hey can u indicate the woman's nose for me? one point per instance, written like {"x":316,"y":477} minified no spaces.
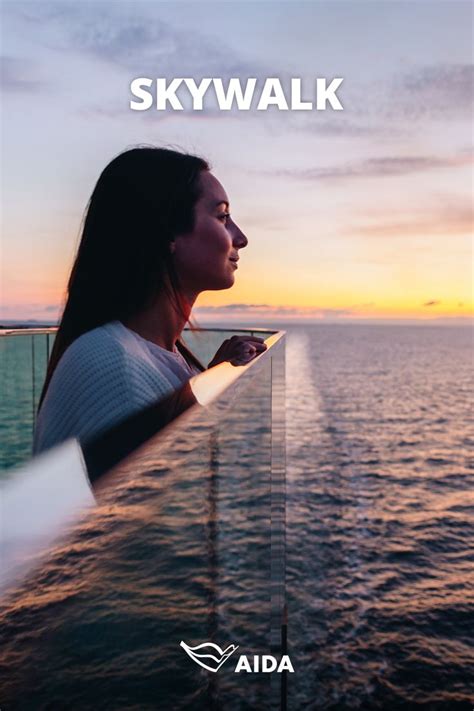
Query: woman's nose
{"x":239,"y":240}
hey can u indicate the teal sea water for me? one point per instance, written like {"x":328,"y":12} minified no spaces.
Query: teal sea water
{"x":380,"y":524}
{"x":23,"y":361}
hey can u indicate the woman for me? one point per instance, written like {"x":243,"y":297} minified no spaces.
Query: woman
{"x":157,"y":232}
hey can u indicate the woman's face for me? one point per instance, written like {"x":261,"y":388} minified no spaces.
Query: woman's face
{"x":206,"y":258}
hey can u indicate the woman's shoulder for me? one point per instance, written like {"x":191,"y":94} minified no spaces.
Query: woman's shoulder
{"x":103,"y":359}
{"x":102,"y":345}
{"x":109,"y":333}
{"x":110,"y":359}
{"x":102,"y":378}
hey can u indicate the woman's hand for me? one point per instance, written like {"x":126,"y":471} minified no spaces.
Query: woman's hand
{"x":239,"y":350}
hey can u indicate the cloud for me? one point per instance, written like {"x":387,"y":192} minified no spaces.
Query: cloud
{"x":444,"y":217}
{"x":240,"y":307}
{"x":263,"y":315}
{"x":134,"y":38}
{"x":438,"y":91}
{"x":31,"y":312}
{"x":378,"y":167}
{"x":137,"y":39}
{"x":136,"y":42}
{"x":432,"y":92}
{"x":398,"y":103}
{"x":272,"y":311}
{"x":17,"y":75}
{"x":227,"y":308}
{"x":339,"y":125}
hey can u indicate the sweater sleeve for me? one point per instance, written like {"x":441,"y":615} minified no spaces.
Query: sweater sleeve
{"x":97,"y":383}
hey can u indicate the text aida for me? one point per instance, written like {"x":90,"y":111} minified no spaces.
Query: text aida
{"x":241,"y":95}
{"x":264,"y":663}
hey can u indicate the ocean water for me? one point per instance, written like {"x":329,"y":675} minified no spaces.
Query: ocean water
{"x":380,"y":561}
{"x":380,"y":484}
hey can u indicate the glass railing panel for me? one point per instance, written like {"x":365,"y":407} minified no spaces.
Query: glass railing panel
{"x":23,"y":361}
{"x":186,"y":544}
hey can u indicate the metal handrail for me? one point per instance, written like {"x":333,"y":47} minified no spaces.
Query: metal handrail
{"x":46,"y":330}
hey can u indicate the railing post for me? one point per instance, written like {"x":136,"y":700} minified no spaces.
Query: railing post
{"x":33,"y":382}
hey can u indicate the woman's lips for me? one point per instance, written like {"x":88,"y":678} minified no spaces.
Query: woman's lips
{"x":234,"y":262}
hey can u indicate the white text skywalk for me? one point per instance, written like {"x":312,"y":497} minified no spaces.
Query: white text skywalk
{"x":241,"y":95}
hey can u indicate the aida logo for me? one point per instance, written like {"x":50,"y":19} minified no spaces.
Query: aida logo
{"x":211,"y":657}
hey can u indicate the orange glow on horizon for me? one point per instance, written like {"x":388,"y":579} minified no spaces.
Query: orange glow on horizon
{"x":302,"y":292}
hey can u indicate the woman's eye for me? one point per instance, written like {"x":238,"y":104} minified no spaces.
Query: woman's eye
{"x":224,"y":216}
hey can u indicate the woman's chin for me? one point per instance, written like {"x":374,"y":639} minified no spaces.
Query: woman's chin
{"x":225,"y":283}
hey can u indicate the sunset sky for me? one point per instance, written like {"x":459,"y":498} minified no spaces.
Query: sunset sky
{"x":359,"y":214}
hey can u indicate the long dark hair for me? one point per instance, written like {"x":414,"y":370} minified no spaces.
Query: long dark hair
{"x":142,"y":200}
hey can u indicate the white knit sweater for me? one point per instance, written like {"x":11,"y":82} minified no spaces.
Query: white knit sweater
{"x":105,"y":376}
